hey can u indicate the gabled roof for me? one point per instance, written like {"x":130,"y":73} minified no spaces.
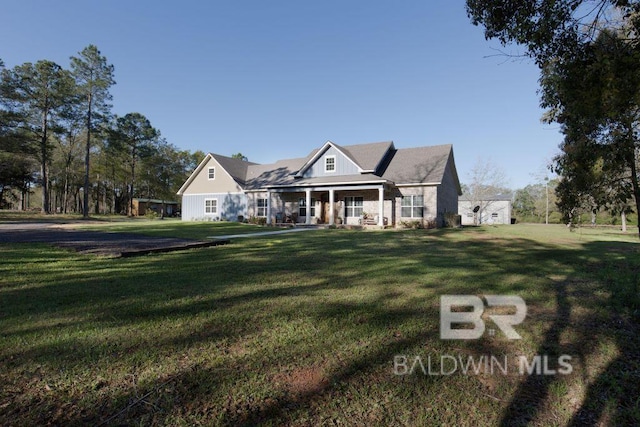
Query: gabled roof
{"x":236,"y":168}
{"x":420,"y":165}
{"x":280,"y":173}
{"x":366,"y":157}
{"x":315,"y":155}
{"x":370,"y":156}
{"x":376,"y":162}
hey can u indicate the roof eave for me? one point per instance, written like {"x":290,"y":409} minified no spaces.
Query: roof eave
{"x":321,"y":184}
{"x":418,"y":184}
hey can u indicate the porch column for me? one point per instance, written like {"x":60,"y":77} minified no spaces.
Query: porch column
{"x":268,"y":207}
{"x":331,"y":210}
{"x":308,"y":204}
{"x":381,"y":206}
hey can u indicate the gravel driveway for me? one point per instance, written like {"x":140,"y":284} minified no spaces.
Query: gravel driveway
{"x":90,"y":242}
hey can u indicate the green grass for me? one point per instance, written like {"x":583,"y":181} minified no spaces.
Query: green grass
{"x":35,"y":216}
{"x":173,"y":227}
{"x":168,"y":227}
{"x":302,"y":329}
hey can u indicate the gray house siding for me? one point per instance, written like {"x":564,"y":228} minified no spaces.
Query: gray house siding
{"x":229,"y":206}
{"x":344,"y":166}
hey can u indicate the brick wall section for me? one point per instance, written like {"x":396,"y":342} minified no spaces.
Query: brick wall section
{"x":447,"y":194}
{"x":430,"y":212}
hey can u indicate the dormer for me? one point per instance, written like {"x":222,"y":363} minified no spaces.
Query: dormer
{"x":330,"y":160}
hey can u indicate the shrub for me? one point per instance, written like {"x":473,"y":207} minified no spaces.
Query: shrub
{"x":151,"y":214}
{"x":415,"y":224}
{"x":451,"y":219}
{"x":258,"y":220}
{"x":430,"y":223}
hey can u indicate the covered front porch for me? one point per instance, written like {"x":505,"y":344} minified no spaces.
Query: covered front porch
{"x":364,"y":204}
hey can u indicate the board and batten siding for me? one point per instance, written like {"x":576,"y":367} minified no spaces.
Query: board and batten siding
{"x":344,"y":166}
{"x":230,"y":205}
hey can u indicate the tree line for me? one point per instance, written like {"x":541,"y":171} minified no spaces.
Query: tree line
{"x":59,"y":134}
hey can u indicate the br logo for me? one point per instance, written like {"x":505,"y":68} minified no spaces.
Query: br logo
{"x":474,"y":317}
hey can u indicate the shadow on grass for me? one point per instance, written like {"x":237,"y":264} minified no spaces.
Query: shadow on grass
{"x":612,"y":396}
{"x":246,"y":332}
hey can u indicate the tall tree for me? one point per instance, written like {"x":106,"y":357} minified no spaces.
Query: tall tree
{"x":94,"y":77}
{"x":16,"y":169}
{"x":15,"y":158}
{"x":134,"y":135}
{"x":596,"y":99}
{"x":38,"y":96}
{"x":589,"y":54}
{"x":533,"y":202}
{"x":67,"y":161}
{"x":164,"y":171}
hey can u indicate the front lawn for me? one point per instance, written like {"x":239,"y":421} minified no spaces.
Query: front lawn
{"x":304,"y":329}
{"x":173,"y":227}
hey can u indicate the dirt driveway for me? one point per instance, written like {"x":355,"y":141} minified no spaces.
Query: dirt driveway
{"x":91,"y":242}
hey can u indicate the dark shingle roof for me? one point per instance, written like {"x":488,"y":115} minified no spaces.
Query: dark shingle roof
{"x":368,"y":156}
{"x":237,"y":168}
{"x":280,"y":173}
{"x":347,"y":153}
{"x":418,"y":165}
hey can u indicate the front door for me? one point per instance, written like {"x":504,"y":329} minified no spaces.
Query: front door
{"x":324,"y":208}
{"x":325,"y":212}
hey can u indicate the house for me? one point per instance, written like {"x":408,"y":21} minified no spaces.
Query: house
{"x":142,"y":206}
{"x":494,"y":209}
{"x":366,"y":183}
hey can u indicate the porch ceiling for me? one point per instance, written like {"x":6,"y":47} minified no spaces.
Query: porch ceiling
{"x":333,"y":181}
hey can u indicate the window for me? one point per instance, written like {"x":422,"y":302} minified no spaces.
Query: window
{"x":330,"y":164}
{"x":212,"y":173}
{"x":211,"y":206}
{"x":261,"y":210}
{"x":412,"y":207}
{"x":353,"y":206}
{"x":302,"y":207}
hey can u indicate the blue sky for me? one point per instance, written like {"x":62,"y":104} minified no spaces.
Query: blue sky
{"x":277,"y":79}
